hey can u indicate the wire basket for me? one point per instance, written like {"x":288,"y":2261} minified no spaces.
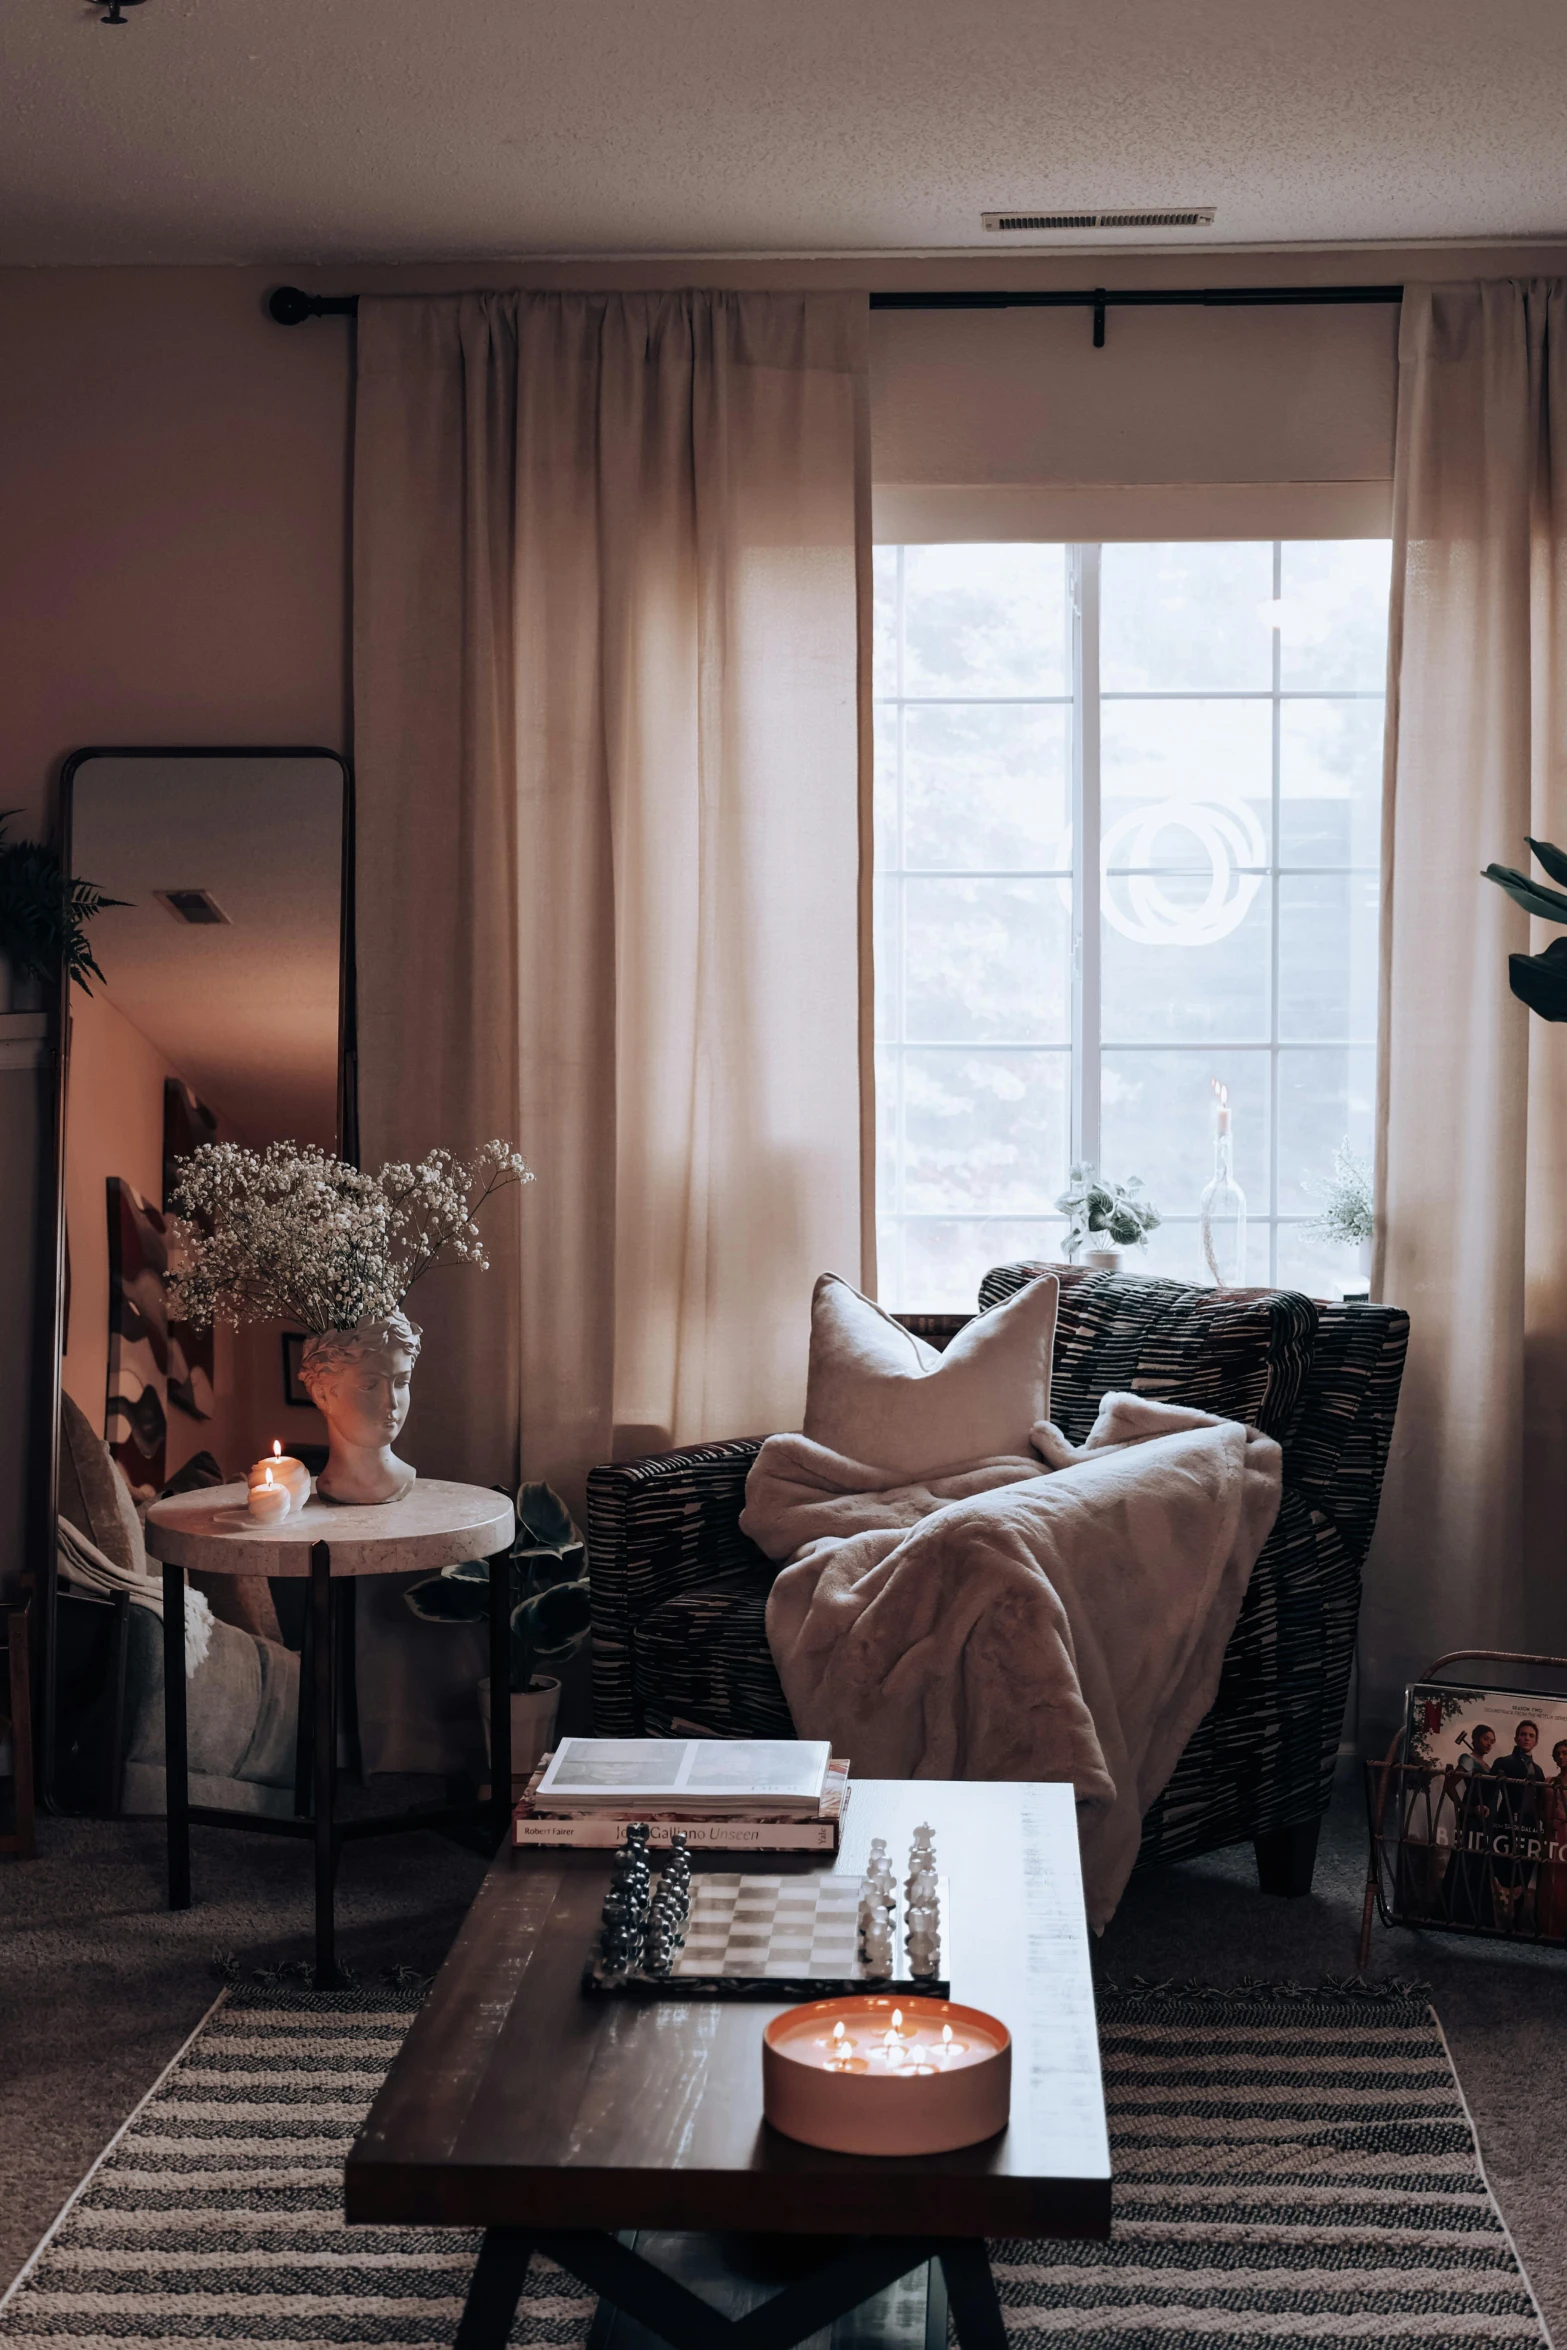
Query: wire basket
{"x":1445,"y":1862}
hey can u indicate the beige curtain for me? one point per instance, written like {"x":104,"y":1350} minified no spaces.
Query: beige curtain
{"x":1472,"y":1147}
{"x":608,"y":581}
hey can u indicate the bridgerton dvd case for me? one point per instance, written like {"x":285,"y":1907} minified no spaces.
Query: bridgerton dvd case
{"x":1481,"y":1796}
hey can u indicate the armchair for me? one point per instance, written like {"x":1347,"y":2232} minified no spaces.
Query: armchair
{"x":680,"y":1595}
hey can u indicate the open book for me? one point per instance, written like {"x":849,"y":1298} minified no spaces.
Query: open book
{"x":702,"y":1777}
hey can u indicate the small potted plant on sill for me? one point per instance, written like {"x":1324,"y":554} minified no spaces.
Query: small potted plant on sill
{"x":1121,"y":1212}
{"x":1347,"y":1216}
{"x":549,"y":1616}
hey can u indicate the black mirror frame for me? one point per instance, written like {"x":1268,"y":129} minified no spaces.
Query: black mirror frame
{"x":50,"y":1303}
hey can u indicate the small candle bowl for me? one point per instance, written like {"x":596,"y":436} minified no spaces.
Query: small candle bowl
{"x":875,"y":2075}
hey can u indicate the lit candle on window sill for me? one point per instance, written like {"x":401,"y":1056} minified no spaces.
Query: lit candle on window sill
{"x":269,"y":1501}
{"x":282,"y":1469}
{"x":867,"y":2075}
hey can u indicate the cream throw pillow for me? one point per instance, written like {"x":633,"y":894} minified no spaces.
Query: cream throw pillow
{"x":878,"y":1394}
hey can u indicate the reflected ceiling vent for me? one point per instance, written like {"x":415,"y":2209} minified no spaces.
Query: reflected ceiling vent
{"x":191,"y":905}
{"x":1189,"y":216}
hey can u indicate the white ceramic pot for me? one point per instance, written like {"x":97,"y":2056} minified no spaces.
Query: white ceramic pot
{"x":533,"y":1713}
{"x":1103,"y":1260}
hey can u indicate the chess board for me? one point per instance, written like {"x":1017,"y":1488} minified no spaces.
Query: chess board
{"x":778,"y":1938}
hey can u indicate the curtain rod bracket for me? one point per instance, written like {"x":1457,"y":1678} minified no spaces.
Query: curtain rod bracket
{"x":1099,"y":318}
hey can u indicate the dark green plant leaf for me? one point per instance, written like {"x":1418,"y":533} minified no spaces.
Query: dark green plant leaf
{"x":545,"y":1568}
{"x":1548,"y":905}
{"x":1552,"y":858}
{"x":43,"y":914}
{"x":554,"y":1622}
{"x":443,"y":1599}
{"x":469,"y":1571}
{"x":544,"y":1518}
{"x":1540,"y":981}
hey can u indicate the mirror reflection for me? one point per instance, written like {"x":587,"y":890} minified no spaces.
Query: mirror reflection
{"x":219,"y":1020}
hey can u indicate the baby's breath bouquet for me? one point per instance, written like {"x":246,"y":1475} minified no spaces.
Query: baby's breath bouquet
{"x":1348,"y":1215}
{"x":291,"y":1234}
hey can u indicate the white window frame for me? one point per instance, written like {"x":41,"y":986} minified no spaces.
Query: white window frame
{"x":1084,"y":700}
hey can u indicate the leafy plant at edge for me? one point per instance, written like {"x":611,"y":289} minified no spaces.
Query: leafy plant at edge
{"x":43,"y":914}
{"x":1540,"y":981}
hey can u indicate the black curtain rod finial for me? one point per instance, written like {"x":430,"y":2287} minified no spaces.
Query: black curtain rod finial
{"x":291,"y":306}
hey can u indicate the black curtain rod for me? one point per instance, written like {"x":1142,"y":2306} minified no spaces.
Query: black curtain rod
{"x":291,"y":307}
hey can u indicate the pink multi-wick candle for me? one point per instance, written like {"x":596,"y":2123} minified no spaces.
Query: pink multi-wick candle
{"x":877,"y":2075}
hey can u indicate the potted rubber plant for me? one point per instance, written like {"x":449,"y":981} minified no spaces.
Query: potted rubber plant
{"x":549,"y":1618}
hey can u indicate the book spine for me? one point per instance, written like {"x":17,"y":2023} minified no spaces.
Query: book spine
{"x":603,"y":1835}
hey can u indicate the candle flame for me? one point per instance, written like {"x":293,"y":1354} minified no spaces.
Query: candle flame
{"x":897,"y":2019}
{"x":267,"y":1480}
{"x":277,"y":1448}
{"x":946,"y":2031}
{"x":837,"y":2030}
{"x":1222,"y":1092}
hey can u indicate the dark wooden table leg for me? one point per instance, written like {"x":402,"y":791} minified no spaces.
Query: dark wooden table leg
{"x":500,"y":1693}
{"x":493,"y":2294}
{"x":971,"y":2294}
{"x":320,"y":1698}
{"x":176,"y":1758}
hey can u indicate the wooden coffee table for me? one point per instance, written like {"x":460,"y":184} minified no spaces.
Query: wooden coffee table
{"x":557,"y":2122}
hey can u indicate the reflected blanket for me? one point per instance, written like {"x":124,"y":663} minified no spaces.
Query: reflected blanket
{"x":1058,"y":1617}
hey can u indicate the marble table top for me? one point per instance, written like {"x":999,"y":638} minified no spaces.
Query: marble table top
{"x":433,"y":1526}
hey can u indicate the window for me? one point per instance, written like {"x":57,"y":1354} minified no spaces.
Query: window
{"x":1127,"y":818}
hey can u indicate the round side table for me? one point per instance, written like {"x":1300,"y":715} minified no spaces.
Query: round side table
{"x":434,"y":1526}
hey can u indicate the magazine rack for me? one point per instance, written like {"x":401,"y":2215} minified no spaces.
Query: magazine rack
{"x":1411,"y":1815}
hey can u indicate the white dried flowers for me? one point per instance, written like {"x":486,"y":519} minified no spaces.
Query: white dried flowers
{"x":291,"y":1234}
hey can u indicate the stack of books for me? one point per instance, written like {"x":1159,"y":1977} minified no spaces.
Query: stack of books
{"x":724,"y":1794}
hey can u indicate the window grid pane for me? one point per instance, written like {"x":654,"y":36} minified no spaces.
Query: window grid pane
{"x":1230,"y":760}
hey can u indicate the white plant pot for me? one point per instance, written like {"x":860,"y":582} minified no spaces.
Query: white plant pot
{"x":533,"y":1713}
{"x":1103,"y":1260}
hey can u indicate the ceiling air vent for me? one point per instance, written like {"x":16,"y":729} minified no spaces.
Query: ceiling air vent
{"x":191,"y":905}
{"x":1190,"y":216}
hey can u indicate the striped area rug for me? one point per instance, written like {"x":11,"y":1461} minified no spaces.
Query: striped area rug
{"x":1288,"y":2170}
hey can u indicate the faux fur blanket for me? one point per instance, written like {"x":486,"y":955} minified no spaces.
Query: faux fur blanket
{"x":1063,"y":1617}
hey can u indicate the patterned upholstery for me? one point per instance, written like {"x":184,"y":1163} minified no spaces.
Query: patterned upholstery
{"x":680,"y":1595}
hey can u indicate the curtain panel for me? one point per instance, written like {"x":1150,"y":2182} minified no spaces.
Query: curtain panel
{"x":608,"y":604}
{"x":1472,"y":1142}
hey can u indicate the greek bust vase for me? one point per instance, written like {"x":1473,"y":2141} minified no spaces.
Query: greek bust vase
{"x":359,"y":1381}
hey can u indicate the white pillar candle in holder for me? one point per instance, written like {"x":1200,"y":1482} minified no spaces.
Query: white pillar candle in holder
{"x":285,"y":1471}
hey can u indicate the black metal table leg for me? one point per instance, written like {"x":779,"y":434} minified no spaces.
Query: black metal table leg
{"x":320,"y":1697}
{"x":305,"y":1718}
{"x":176,"y":1756}
{"x":500,"y":1693}
{"x":495,"y":2289}
{"x":971,"y":2294}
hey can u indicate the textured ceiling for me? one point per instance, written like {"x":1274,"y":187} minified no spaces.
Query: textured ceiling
{"x":256,"y":130}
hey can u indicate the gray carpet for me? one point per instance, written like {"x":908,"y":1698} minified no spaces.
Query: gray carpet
{"x":99,"y":1985}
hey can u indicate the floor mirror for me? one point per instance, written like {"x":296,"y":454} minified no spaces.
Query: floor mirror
{"x":224,"y":1013}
